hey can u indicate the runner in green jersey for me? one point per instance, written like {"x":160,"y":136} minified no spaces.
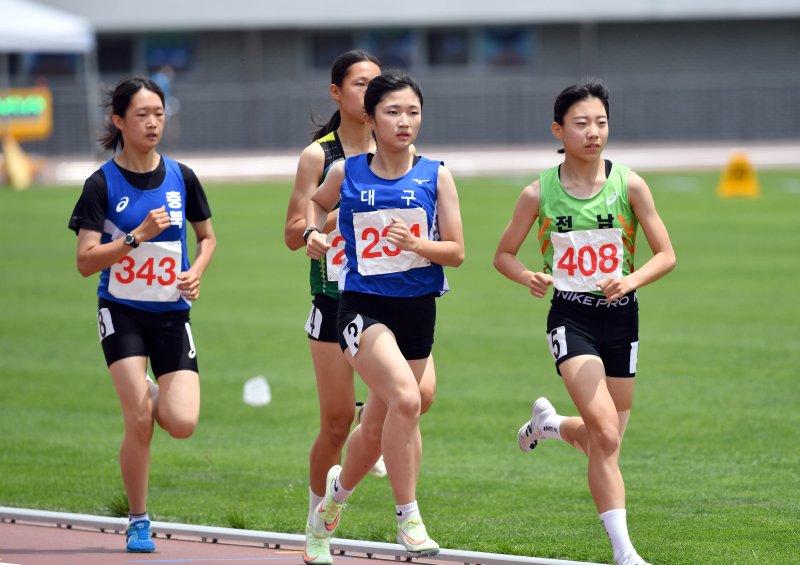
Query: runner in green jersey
{"x":588,"y":211}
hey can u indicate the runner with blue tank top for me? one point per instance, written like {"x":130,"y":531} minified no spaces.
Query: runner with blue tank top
{"x":400,"y":220}
{"x":588,"y":212}
{"x":131,"y":222}
{"x":346,"y":133}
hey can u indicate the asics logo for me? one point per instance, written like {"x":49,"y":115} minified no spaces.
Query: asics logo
{"x":611,"y":199}
{"x":123,"y":203}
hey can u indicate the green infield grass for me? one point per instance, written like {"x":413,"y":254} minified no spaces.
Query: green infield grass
{"x":710,"y":458}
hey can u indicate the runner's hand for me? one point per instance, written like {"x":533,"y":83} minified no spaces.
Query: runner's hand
{"x":317,"y":245}
{"x":614,"y":289}
{"x":155,"y":222}
{"x":538,"y":283}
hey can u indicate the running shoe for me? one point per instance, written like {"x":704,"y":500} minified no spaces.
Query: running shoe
{"x":318,"y":550}
{"x":379,"y":468}
{"x":153,"y":391}
{"x":632,"y":559}
{"x":412,"y":535}
{"x":326,"y":515}
{"x":531,"y":431}
{"x":139,"y":538}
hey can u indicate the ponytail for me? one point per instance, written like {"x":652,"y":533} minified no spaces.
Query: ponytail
{"x":332,"y":125}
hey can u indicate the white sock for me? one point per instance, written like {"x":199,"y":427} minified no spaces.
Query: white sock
{"x":340,"y":494}
{"x":133,"y":518}
{"x":313,"y":501}
{"x":404,"y":511}
{"x":552,"y":427}
{"x":616,"y":525}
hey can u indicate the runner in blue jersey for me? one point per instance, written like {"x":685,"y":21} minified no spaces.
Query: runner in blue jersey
{"x":345,"y":134}
{"x":131,"y":222}
{"x":588,"y":210}
{"x":400,"y":219}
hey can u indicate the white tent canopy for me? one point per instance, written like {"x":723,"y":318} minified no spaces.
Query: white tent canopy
{"x":26,"y":27}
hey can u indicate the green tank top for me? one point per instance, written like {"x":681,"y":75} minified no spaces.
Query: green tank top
{"x":609,"y":208}
{"x":319,"y":275}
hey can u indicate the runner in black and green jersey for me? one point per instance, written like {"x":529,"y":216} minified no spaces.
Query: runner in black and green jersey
{"x":346,"y":134}
{"x":588,"y":211}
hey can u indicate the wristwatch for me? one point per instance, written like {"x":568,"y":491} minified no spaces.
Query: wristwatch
{"x":308,"y":233}
{"x":130,"y":239}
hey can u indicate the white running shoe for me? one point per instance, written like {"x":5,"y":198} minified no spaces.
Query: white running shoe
{"x":632,"y":559}
{"x":153,"y":391}
{"x":379,"y":468}
{"x":531,"y":431}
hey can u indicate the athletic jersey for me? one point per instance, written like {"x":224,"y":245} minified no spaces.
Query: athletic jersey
{"x":321,"y":282}
{"x":368,"y":204}
{"x":587,"y":239}
{"x":146,"y":277}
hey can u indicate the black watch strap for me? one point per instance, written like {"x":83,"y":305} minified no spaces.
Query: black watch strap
{"x":308,"y":233}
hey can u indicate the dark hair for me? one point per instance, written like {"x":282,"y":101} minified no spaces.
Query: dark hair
{"x":118,"y":101}
{"x":592,"y":88}
{"x":339,"y":71}
{"x":386,"y":82}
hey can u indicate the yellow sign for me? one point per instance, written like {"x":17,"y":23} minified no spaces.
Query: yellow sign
{"x":739,"y":179}
{"x":26,"y":113}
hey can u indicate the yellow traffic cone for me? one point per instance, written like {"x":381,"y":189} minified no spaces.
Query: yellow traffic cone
{"x":739,"y":179}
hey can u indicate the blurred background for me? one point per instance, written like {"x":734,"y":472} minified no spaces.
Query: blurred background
{"x":246,"y":75}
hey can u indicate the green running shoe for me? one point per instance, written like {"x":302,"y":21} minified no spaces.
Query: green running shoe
{"x":326,"y":516}
{"x":318,"y":550}
{"x":412,"y":535}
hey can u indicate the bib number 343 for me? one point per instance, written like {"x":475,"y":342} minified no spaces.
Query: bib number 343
{"x":583,"y":258}
{"x":149,"y":272}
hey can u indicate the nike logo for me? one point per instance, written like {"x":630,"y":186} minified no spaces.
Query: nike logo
{"x":411,"y":540}
{"x":611,"y":199}
{"x":332,"y":526}
{"x":399,"y":513}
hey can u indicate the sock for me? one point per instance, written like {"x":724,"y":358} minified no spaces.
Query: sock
{"x":552,"y":427}
{"x":313,"y":501}
{"x":340,"y":494}
{"x":616,"y":524}
{"x":133,"y":518}
{"x":406,"y":510}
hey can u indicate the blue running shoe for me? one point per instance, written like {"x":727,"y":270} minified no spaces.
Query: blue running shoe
{"x":139,"y":539}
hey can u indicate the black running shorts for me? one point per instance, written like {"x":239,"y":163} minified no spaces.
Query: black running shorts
{"x":411,"y":320}
{"x":588,"y":324}
{"x":165,"y":338}
{"x":321,"y":323}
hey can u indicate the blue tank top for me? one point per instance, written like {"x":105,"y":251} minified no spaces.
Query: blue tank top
{"x":368,"y":203}
{"x":152,"y":268}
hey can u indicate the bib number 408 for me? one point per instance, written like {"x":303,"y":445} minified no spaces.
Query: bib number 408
{"x":589,"y":261}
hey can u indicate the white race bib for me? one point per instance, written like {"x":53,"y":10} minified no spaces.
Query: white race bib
{"x":149,"y":272}
{"x":376,"y":256}
{"x":583,"y":258}
{"x":334,"y":258}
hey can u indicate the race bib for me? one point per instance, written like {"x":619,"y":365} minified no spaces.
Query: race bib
{"x":149,"y":272}
{"x":334,"y":258}
{"x":583,"y":258}
{"x":376,"y":256}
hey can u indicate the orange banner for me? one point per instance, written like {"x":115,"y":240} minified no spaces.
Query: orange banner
{"x":26,"y":113}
